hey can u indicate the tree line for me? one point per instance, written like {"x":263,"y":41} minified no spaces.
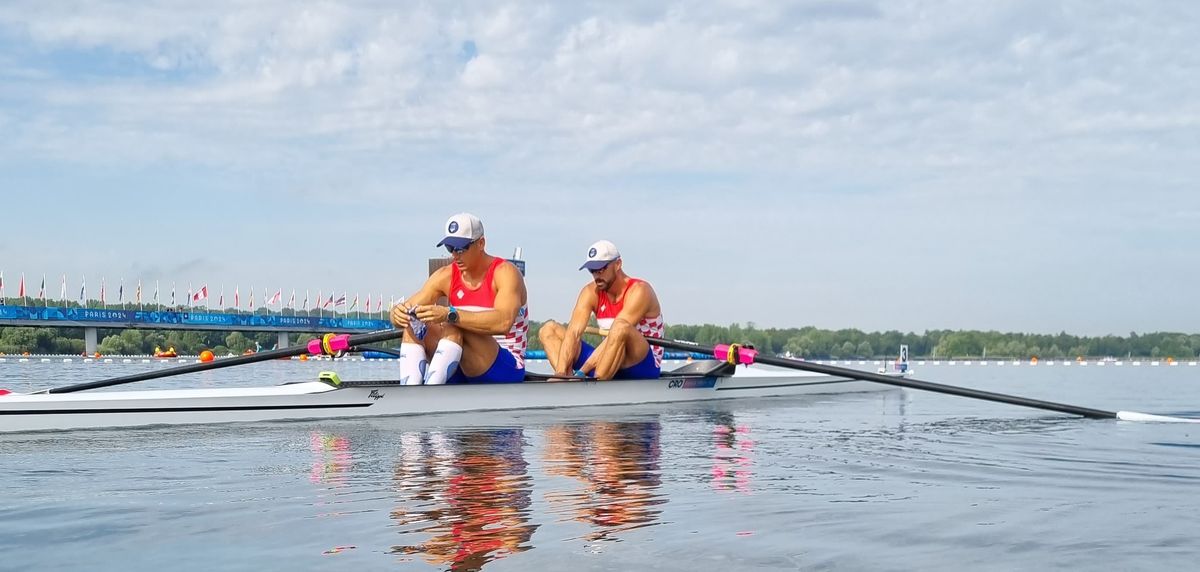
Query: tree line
{"x":807,"y":342}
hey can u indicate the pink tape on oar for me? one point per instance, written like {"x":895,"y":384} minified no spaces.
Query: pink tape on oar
{"x":4,"y":392}
{"x":329,"y":344}
{"x":744,"y":356}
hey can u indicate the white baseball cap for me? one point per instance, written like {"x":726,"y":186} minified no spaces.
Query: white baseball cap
{"x":600,"y":254}
{"x":462,"y":229}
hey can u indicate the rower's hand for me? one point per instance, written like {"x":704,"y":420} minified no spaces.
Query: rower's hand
{"x":399,"y":316}
{"x":433,"y":314}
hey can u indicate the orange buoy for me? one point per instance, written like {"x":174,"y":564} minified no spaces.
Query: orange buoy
{"x":96,"y":355}
{"x":206,"y":356}
{"x":303,"y":357}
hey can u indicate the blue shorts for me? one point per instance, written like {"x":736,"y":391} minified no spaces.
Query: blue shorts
{"x":645,"y":369}
{"x":503,"y":370}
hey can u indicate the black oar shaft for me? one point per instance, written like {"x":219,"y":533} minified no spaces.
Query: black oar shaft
{"x":902,"y":382}
{"x":372,"y":337}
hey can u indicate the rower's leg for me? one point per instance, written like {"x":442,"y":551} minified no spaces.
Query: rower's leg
{"x":551,"y":335}
{"x":447,"y":354}
{"x":624,"y":347}
{"x":479,"y":353}
{"x":413,"y":360}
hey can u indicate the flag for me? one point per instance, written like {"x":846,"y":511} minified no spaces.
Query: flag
{"x":62,"y":293}
{"x":237,"y":297}
{"x":251,"y":298}
{"x":1,"y":285}
{"x":201,"y":294}
{"x":156,"y":291}
{"x":172,"y":293}
{"x":101,"y":289}
{"x":379,"y":304}
{"x":292,"y":300}
{"x":21,"y":288}
{"x":221,"y":300}
{"x":305,"y":300}
{"x":83,"y":290}
{"x":341,"y":301}
{"x":355,"y":304}
{"x":368,"y":306}
{"x":138,"y":293}
{"x":328,"y":302}
{"x":121,"y":292}
{"x":277,"y":298}
{"x":189,"y":295}
{"x":42,"y":291}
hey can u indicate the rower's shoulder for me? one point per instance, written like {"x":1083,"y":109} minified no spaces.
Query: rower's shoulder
{"x":441,"y":276}
{"x":506,"y":271}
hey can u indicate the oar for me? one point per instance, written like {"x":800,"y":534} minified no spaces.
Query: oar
{"x":735,"y":353}
{"x":327,"y":344}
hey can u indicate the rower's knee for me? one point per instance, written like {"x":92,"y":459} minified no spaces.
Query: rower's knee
{"x":550,"y":330}
{"x":449,"y":332}
{"x":621,"y":330}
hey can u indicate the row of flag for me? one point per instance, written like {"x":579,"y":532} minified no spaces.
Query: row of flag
{"x":195,"y":297}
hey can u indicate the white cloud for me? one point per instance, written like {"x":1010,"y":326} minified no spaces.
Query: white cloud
{"x":952,"y":116}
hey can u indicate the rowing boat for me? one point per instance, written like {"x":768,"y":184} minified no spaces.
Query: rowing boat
{"x":330,"y":397}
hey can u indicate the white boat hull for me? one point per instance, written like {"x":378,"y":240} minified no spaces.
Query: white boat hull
{"x":318,"y":400}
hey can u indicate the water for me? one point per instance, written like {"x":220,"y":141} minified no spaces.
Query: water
{"x":896,"y":480}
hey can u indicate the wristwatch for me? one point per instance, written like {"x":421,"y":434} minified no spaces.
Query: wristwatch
{"x":452,"y":315}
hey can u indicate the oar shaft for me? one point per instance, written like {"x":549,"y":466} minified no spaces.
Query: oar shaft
{"x":902,"y":382}
{"x":220,"y":363}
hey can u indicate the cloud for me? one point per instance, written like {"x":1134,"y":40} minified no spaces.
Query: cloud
{"x":1000,"y":130}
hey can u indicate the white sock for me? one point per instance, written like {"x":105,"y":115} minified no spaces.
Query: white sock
{"x":444,"y":362}
{"x":412,"y":364}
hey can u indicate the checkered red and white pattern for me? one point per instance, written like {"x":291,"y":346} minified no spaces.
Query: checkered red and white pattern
{"x":517,"y":338}
{"x":607,"y":311}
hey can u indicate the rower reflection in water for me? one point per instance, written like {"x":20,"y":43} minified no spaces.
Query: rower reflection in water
{"x":331,"y":458}
{"x":733,"y":460}
{"x":470,"y":492}
{"x":618,"y":466}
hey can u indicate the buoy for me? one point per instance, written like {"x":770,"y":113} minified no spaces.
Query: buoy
{"x":206,"y":356}
{"x":96,"y":355}
{"x":303,"y":357}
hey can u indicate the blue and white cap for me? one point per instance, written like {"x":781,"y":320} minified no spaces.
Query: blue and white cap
{"x":462,"y":229}
{"x":600,"y":254}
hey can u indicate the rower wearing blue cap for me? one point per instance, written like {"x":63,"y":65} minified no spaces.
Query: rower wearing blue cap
{"x":627,"y":307}
{"x":482,"y":334}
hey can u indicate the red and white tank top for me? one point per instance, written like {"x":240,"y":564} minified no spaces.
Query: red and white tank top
{"x":608,"y":309}
{"x":482,"y":298}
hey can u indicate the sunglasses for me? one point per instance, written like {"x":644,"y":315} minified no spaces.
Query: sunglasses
{"x":596,"y":271}
{"x":461,"y":249}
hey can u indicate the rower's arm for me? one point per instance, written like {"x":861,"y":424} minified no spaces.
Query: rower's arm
{"x":510,"y":291}
{"x":638,"y":301}
{"x":584,"y":306}
{"x":436,"y":286}
{"x":568,"y":350}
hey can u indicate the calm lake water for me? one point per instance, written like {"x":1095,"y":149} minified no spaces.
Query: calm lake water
{"x":895,"y":480}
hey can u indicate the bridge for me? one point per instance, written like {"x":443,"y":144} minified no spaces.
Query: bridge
{"x":93,"y":319}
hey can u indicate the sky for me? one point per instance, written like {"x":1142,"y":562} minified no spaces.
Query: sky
{"x":905,"y":165}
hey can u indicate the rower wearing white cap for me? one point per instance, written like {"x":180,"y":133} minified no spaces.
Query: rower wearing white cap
{"x":627,"y":307}
{"x":482,"y":335}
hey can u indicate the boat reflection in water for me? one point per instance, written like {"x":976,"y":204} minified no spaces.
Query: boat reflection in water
{"x":615,"y":466}
{"x":469,"y":492}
